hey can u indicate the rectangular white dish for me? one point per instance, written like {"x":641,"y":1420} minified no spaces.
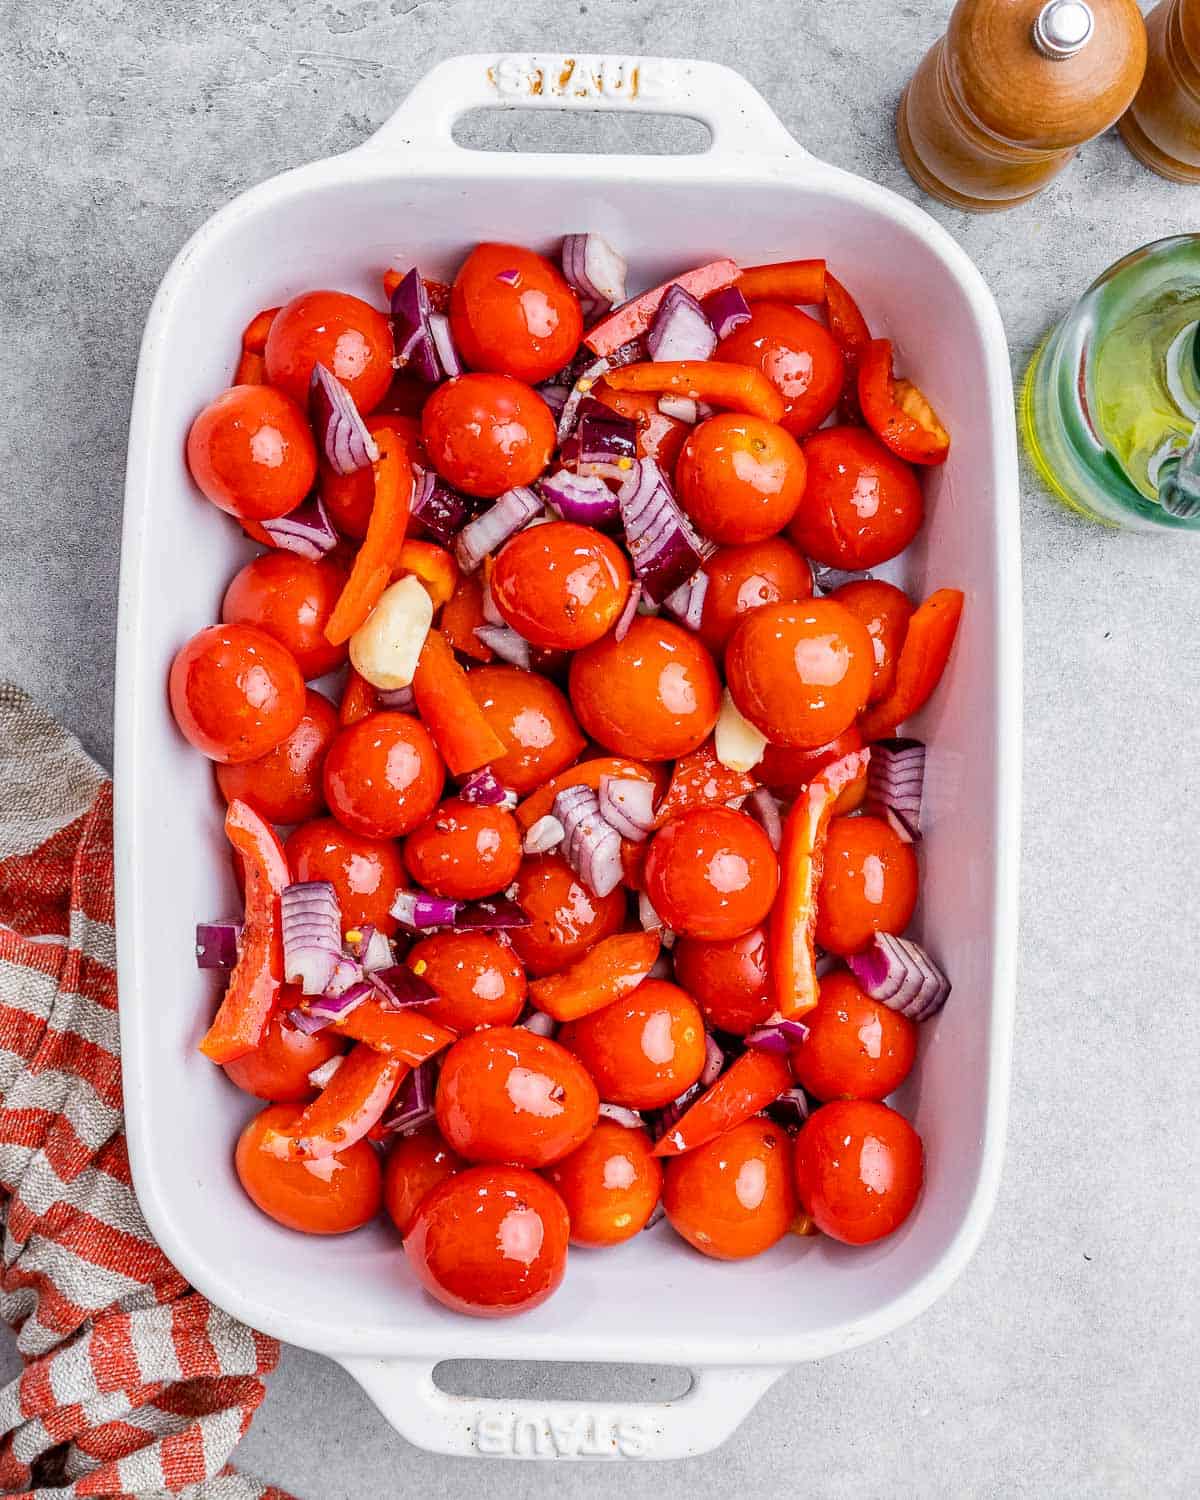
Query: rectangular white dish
{"x":410,"y":195}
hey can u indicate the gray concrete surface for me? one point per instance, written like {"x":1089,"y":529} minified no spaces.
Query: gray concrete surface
{"x":1064,"y":1362}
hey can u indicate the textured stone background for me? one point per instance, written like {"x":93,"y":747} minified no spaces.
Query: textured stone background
{"x":1064,"y":1361}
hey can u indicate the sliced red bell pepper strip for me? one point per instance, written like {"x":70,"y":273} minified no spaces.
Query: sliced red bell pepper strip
{"x":717,"y":381}
{"x":897,"y":411}
{"x":849,"y":328}
{"x":251,"y":369}
{"x":923,"y":657}
{"x":633,"y":318}
{"x":756,"y":1079}
{"x":254,"y":335}
{"x":379,"y":554}
{"x":587,"y":773}
{"x":460,"y":730}
{"x":434,"y":566}
{"x":611,"y":969}
{"x":404,"y":1034}
{"x":788,"y":281}
{"x":345,"y":1109}
{"x":700,"y":780}
{"x":257,"y":976}
{"x":790,"y":945}
{"x":359,"y":698}
{"x":633,"y":864}
{"x":462,"y":612}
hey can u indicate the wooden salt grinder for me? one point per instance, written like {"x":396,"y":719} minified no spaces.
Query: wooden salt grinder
{"x":1162,"y":126}
{"x":1000,"y":104}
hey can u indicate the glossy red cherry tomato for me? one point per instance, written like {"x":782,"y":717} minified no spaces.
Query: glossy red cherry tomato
{"x":884,"y":610}
{"x":279,"y":1066}
{"x":858,"y":1169}
{"x":332,"y":1196}
{"x":728,"y":980}
{"x":291,"y":598}
{"x":740,"y":478}
{"x":512,"y":311}
{"x":416,"y":1164}
{"x":644,"y":1049}
{"x":284,"y":785}
{"x":506,"y":1094}
{"x":567,"y":918}
{"x":800,"y":672}
{"x":733,"y":1197}
{"x":252,"y":454}
{"x":490,"y":1241}
{"x":383,"y":775}
{"x":653,"y":696}
{"x":367,"y":874}
{"x":349,"y":497}
{"x":345,"y":334}
{"x":856,"y":1048}
{"x":797,"y":354}
{"x":861,"y":505}
{"x":463,"y":851}
{"x":745,"y":578}
{"x":478,"y":979}
{"x":561,"y":586}
{"x":869,"y":884}
{"x":610,"y":1184}
{"x":787,"y":771}
{"x":235,"y":692}
{"x":486,"y":433}
{"x":532,"y":719}
{"x":711,"y":873}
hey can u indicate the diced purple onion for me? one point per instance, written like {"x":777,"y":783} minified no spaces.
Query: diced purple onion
{"x":399,"y":987}
{"x":319,"y":1077}
{"x":727,"y":310}
{"x":665,"y":547}
{"x":602,"y":443}
{"x":591,"y":845}
{"x":765,"y":808}
{"x":546,"y":834}
{"x":790,"y":1108}
{"x":825,"y":964}
{"x":511,"y":277}
{"x":508,"y":644}
{"x":399,"y":700}
{"x":555,"y":396}
{"x":347,"y":971}
{"x":443,"y":343}
{"x":621,"y":1115}
{"x":827,"y":579}
{"x":714,"y":1061}
{"x":378,"y":953}
{"x":483,"y":788}
{"x":340,"y":431}
{"x":312,"y":934}
{"x":648,"y":916}
{"x":491,"y":914}
{"x":895,"y":781}
{"x":584,"y":498}
{"x":580,"y":388}
{"x":418,"y":910}
{"x":629,"y":613}
{"x":307,"y":531}
{"x":686,"y":603}
{"x":671,"y":1114}
{"x":309,"y":1025}
{"x":901,"y":975}
{"x":413,"y":1105}
{"x":514,"y":509}
{"x":539,"y":1023}
{"x":594,"y":271}
{"x":415,"y":349}
{"x":680,"y":408}
{"x":657,"y":1215}
{"x":779,"y":1036}
{"x":487,"y":603}
{"x":338,"y":1007}
{"x":217,"y":944}
{"x":680,"y":329}
{"x":627,"y":805}
{"x":439,"y":510}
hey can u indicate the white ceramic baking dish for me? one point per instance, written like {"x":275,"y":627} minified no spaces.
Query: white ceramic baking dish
{"x":410,"y":195}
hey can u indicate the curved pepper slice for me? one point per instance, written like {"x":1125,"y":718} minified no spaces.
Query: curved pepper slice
{"x":461,"y":614}
{"x":403,"y":1034}
{"x":897,"y":411}
{"x":434,"y":566}
{"x":633,"y":318}
{"x":923,"y":657}
{"x":379,"y":554}
{"x":345,"y":1109}
{"x":588,"y":773}
{"x":611,"y":969}
{"x":717,"y":381}
{"x":700,"y":780}
{"x":755,"y":1080}
{"x":849,"y":329}
{"x":258,"y":974}
{"x":787,"y":281}
{"x":790,"y":946}
{"x":359,"y":698}
{"x":251,"y":366}
{"x":460,"y":730}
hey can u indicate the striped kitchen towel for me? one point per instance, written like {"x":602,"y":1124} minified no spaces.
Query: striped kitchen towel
{"x":134,"y":1384}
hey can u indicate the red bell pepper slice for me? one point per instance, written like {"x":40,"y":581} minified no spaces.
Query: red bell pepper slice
{"x":254,"y":335}
{"x":461,"y":614}
{"x":460,"y":730}
{"x":359,"y":698}
{"x":791,"y":947}
{"x":607,"y":971}
{"x":434,"y":566}
{"x":633,"y":864}
{"x":897,"y":411}
{"x":700,"y":780}
{"x":633,"y":318}
{"x":755,"y":1080}
{"x":850,"y":330}
{"x":923,"y":657}
{"x":257,"y":976}
{"x":587,"y":773}
{"x":717,"y":381}
{"x":379,"y":554}
{"x":787,"y":281}
{"x":405,"y":1034}
{"x":345,"y":1109}
{"x":251,"y":369}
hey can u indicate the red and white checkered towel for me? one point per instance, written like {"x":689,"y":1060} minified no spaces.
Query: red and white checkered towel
{"x":134,"y":1384}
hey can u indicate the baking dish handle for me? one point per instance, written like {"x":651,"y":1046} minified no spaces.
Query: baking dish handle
{"x":720,"y":1398}
{"x":739,"y":118}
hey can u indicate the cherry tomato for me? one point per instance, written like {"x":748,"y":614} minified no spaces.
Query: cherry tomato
{"x":561,"y":586}
{"x":658,"y":436}
{"x":711,"y":873}
{"x":610,"y":1184}
{"x":332,"y":1196}
{"x":532,"y":718}
{"x":884,"y":610}
{"x":279,"y":1066}
{"x":506,"y":1094}
{"x":512,"y":311}
{"x":291,"y":598}
{"x":252,"y":454}
{"x":383,"y":775}
{"x":345,"y":334}
{"x":733,"y":1197}
{"x":746,"y":578}
{"x":797,"y":354}
{"x":416,"y":1164}
{"x":653,"y":696}
{"x":567,"y":918}
{"x":740,"y":478}
{"x":464,"y":851}
{"x":284,"y":785}
{"x":728,"y":979}
{"x":800,"y":672}
{"x":861,"y":505}
{"x":367,"y":874}
{"x":645,"y":1049}
{"x":349,"y":497}
{"x":478,"y":979}
{"x":869,"y":884}
{"x":856,"y":1047}
{"x":235,"y":692}
{"x":486,"y":433}
{"x":858,"y":1169}
{"x":490,"y":1241}
{"x":788,"y":771}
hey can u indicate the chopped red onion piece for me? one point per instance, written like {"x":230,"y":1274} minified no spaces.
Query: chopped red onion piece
{"x":602,"y":442}
{"x":554,"y":395}
{"x":415,"y":348}
{"x":301,"y":1021}
{"x":378,"y":953}
{"x":594,"y":271}
{"x":483,"y":789}
{"x":628,"y":806}
{"x":312,"y":934}
{"x":621,"y":1115}
{"x":399,"y":700}
{"x":340,"y":431}
{"x":539,"y":1023}
{"x":778,"y":1036}
{"x":647,"y":916}
{"x":714,"y":1061}
{"x":492,"y":914}
{"x":657,"y":1215}
{"x":416,"y":909}
{"x":399,"y":987}
{"x":680,"y":329}
{"x":217,"y":944}
{"x":827,"y":579}
{"x":591,"y":845}
{"x":508,"y":644}
{"x":338,"y":1007}
{"x":766,"y":809}
{"x":901,"y":975}
{"x":443,"y":342}
{"x":580,"y":497}
{"x":346,"y":972}
{"x":825,"y":964}
{"x":727,"y":310}
{"x":439,"y":511}
{"x":583,"y":383}
{"x":514,"y":509}
{"x":895,"y":781}
{"x":546,"y":834}
{"x":790,"y":1108}
{"x":686,"y":603}
{"x":319,"y":1077}
{"x":680,"y":408}
{"x":665,"y":547}
{"x":413,"y":1105}
{"x":671,"y":1114}
{"x":511,"y":277}
{"x":307,"y":531}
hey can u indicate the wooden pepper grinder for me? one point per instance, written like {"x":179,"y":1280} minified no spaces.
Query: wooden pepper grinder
{"x":1000,"y":104}
{"x":1162,"y":127}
